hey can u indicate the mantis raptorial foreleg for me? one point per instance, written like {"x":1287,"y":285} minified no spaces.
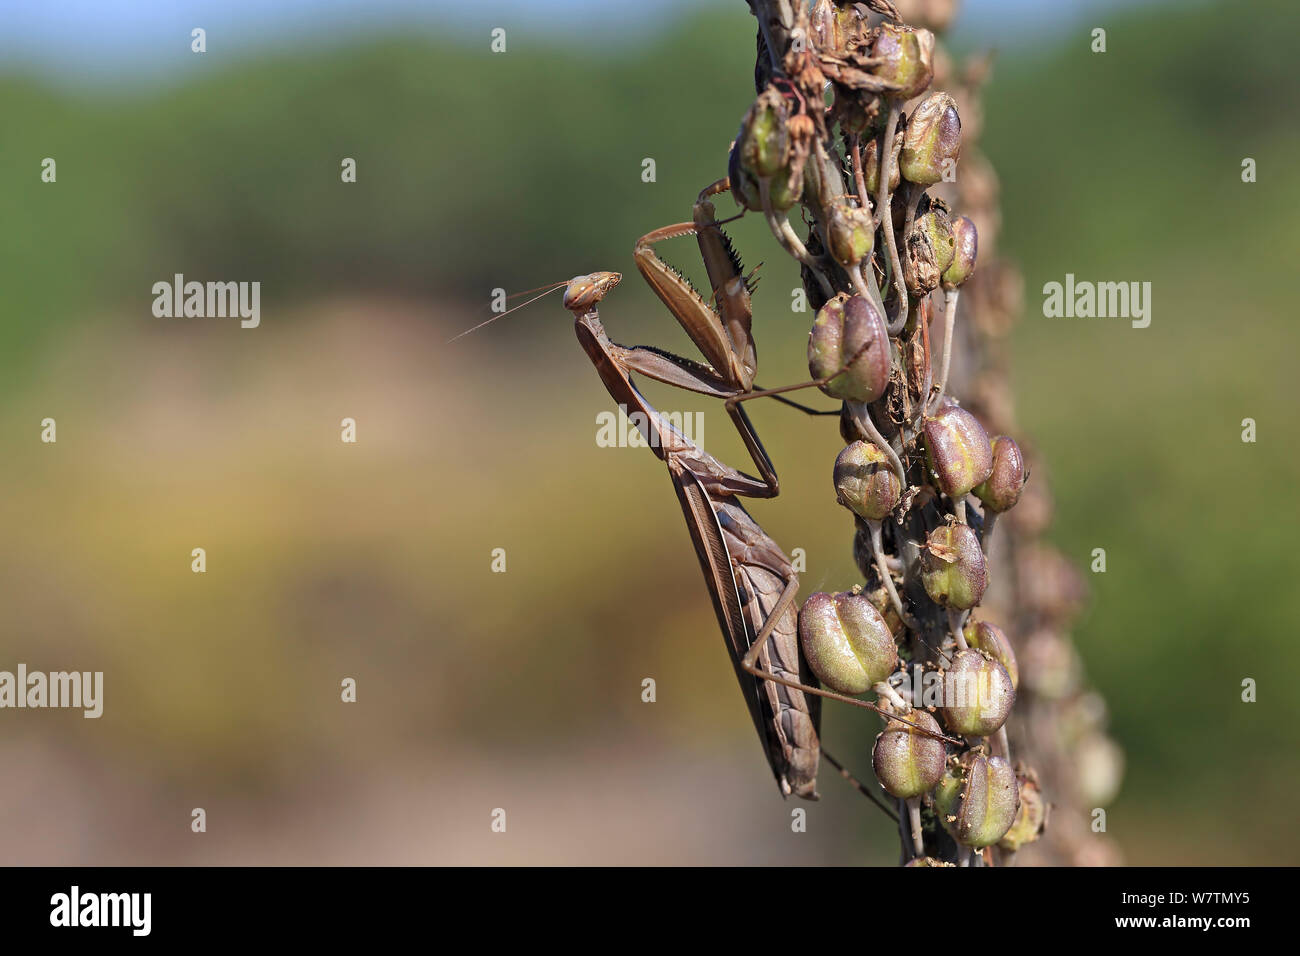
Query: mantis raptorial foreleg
{"x":724,"y":337}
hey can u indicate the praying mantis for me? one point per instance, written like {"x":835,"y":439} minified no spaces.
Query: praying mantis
{"x":751,"y":581}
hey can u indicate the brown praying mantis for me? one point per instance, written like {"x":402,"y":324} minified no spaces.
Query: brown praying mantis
{"x":752,"y":583}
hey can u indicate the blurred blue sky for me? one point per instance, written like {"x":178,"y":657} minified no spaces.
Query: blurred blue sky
{"x":76,"y":40}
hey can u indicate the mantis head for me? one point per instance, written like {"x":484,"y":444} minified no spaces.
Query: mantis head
{"x":583,"y":292}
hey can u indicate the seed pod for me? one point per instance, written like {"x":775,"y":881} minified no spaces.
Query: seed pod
{"x":992,"y":640}
{"x":786,"y":188}
{"x":965,"y":249}
{"x":906,"y":58}
{"x":1031,"y":817}
{"x":906,"y":761}
{"x":1001,"y":489}
{"x":952,"y":567}
{"x":871,"y":168}
{"x":850,"y":328}
{"x":851,"y":231}
{"x":958,"y":450}
{"x":865,"y":482}
{"x":932,"y":142}
{"x":764,"y":142}
{"x":927,"y":861}
{"x":771,"y":148}
{"x":744,"y":188}
{"x":846,"y":642}
{"x":977,"y":694}
{"x":936,"y":225}
{"x":977,"y":800}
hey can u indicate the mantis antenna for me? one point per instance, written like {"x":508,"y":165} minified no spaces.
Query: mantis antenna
{"x":549,"y":289}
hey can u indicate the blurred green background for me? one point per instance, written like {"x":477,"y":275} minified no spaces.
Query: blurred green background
{"x":521,"y":690}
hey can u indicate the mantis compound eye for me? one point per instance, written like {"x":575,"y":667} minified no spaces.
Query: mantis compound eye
{"x":583,"y":292}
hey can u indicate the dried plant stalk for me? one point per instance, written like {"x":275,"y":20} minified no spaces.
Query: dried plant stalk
{"x":912,"y":309}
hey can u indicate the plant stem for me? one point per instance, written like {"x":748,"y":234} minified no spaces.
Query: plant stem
{"x":884,"y":212}
{"x":878,"y":552}
{"x":949,"y":323}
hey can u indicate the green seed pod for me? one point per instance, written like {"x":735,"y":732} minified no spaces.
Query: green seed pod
{"x":977,"y":694}
{"x":764,"y":142}
{"x":851,"y":231}
{"x":1001,"y":489}
{"x":977,"y":800}
{"x":865,"y":482}
{"x":932,"y":142}
{"x":871,"y":168}
{"x":850,"y":328}
{"x":846,"y":642}
{"x":965,"y":249}
{"x":952,"y":567}
{"x":992,"y":640}
{"x":744,"y":188}
{"x":1031,"y":818}
{"x":785,"y":190}
{"x":906,"y":58}
{"x":958,"y":450}
{"x":906,"y":761}
{"x":936,"y":225}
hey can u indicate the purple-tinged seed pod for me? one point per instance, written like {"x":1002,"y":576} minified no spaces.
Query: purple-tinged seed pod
{"x":1001,"y":489}
{"x":906,"y":59}
{"x":1031,"y":819}
{"x":977,"y":801}
{"x":977,"y":694}
{"x":907,"y":762}
{"x":932,"y":142}
{"x":991,"y":639}
{"x":865,"y":482}
{"x":846,"y":642}
{"x":952,"y":567}
{"x":965,"y":250}
{"x":850,"y":328}
{"x":958,"y":450}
